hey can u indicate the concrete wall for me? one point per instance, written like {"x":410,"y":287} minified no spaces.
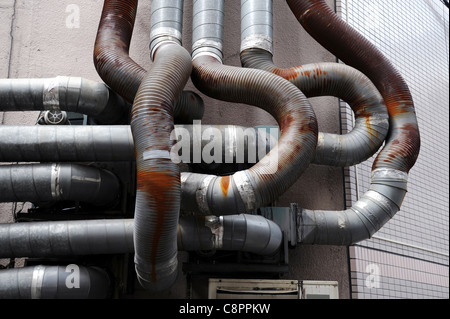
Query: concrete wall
{"x":36,"y":40}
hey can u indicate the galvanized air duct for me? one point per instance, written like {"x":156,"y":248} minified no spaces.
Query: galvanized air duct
{"x":391,"y":167}
{"x":61,"y":143}
{"x":55,"y":282}
{"x":247,"y":190}
{"x":40,"y":183}
{"x":248,"y":233}
{"x":320,"y":79}
{"x":66,"y":238}
{"x":90,"y":143}
{"x":71,"y":94}
{"x":158,"y":177}
{"x":50,"y":239}
{"x":119,"y":71}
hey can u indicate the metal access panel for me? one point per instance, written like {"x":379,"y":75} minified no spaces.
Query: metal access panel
{"x":271,"y":289}
{"x":253,"y":289}
{"x":319,"y":289}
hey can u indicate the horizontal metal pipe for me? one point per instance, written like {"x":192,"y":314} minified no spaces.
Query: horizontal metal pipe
{"x":52,"y":239}
{"x":55,"y":282}
{"x":89,"y":143}
{"x":63,"y":143}
{"x":66,"y":238}
{"x":248,"y":233}
{"x":40,"y":183}
{"x":71,"y":94}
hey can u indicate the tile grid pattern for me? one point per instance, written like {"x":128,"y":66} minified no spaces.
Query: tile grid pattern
{"x":415,"y":38}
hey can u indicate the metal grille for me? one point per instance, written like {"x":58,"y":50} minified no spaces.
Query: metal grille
{"x":414,"y":36}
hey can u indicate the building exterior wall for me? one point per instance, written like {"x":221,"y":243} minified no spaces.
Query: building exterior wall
{"x":408,"y":257}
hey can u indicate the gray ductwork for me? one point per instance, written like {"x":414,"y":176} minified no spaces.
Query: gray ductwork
{"x":55,"y":282}
{"x":51,"y":239}
{"x":320,"y":79}
{"x":390,"y":169}
{"x":248,"y":233}
{"x":90,"y":143}
{"x":247,"y":190}
{"x":40,"y":183}
{"x":71,"y":94}
{"x":66,"y":238}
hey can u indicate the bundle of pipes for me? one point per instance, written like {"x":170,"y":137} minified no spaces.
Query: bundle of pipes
{"x":222,"y":206}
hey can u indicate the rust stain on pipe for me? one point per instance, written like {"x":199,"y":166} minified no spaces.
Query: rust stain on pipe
{"x":224,"y":184}
{"x":354,"y":49}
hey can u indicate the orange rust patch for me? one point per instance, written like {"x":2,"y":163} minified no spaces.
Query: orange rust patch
{"x":288,"y":74}
{"x":158,"y":189}
{"x":224,"y":184}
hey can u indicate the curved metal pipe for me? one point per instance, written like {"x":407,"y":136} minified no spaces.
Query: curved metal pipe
{"x":248,"y":233}
{"x":333,"y":79}
{"x":403,"y":144}
{"x":391,"y":167}
{"x":38,"y":183}
{"x":320,"y":79}
{"x":247,"y":190}
{"x":72,"y":94}
{"x":55,"y":282}
{"x":118,"y":70}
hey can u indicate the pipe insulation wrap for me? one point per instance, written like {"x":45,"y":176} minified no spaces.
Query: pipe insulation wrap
{"x":71,"y":94}
{"x":207,"y":31}
{"x":158,"y":178}
{"x":248,"y":233}
{"x":119,"y":71}
{"x":55,"y":282}
{"x":38,"y":183}
{"x":66,"y":238}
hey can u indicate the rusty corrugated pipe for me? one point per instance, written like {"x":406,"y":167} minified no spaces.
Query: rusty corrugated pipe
{"x":392,"y":165}
{"x":119,"y":71}
{"x":347,"y":83}
{"x":403,"y":144}
{"x":264,"y":182}
{"x":158,"y":178}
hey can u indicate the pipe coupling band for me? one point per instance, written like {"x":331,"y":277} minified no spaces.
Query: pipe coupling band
{"x":257,"y":41}
{"x":161,"y":36}
{"x":208,"y":47}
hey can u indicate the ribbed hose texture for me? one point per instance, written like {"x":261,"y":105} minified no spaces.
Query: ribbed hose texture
{"x":275,"y":173}
{"x":158,"y":178}
{"x":347,"y":83}
{"x":118,"y":70}
{"x":403,"y":143}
